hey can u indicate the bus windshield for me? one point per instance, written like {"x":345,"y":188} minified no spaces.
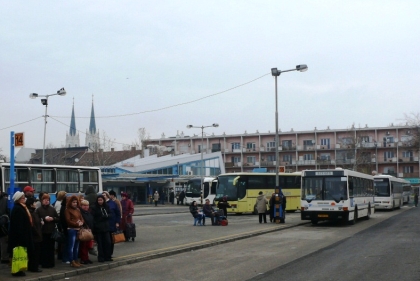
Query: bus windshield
{"x":382,"y":188}
{"x":228,"y":186}
{"x":193,"y":188}
{"x":324,"y":188}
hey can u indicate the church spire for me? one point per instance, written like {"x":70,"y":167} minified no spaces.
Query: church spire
{"x":92,"y":125}
{"x":72,"y":137}
{"x":92,"y":136}
{"x":72,"y":122}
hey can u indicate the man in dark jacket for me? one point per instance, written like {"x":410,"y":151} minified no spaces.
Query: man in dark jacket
{"x":181,"y":197}
{"x":209,"y":212}
{"x":90,"y":195}
{"x":4,"y":211}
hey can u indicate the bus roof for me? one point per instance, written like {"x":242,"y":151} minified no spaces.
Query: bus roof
{"x":260,"y":174}
{"x":49,"y":166}
{"x":205,"y":179}
{"x":392,"y":178}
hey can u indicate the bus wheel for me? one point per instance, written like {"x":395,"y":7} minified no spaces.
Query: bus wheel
{"x":354,"y":220}
{"x":314,"y":221}
{"x":290,"y":211}
{"x":369,"y":213}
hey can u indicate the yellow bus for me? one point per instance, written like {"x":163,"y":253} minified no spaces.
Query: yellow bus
{"x":241,"y":189}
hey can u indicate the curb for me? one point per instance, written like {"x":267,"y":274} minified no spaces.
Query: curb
{"x":160,"y":253}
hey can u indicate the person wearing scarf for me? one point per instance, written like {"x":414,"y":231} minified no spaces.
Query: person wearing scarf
{"x":49,"y":216}
{"x":20,"y":231}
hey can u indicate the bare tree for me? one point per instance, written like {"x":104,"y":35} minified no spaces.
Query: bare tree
{"x":105,"y":142}
{"x":413,"y":120}
{"x":142,"y":137}
{"x":355,"y":152}
{"x":2,"y":156}
{"x":50,"y":146}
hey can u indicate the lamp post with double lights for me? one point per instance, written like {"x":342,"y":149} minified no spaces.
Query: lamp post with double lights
{"x":202,"y":143}
{"x":275,"y":72}
{"x":61,"y":92}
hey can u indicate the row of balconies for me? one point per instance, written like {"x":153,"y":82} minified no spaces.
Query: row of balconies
{"x":313,"y":147}
{"x":336,"y":161}
{"x":314,"y":162}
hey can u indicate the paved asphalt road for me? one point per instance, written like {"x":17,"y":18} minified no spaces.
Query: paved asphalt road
{"x":386,"y":251}
{"x":170,"y":248}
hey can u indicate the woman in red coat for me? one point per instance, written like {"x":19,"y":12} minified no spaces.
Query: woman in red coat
{"x":127,"y":213}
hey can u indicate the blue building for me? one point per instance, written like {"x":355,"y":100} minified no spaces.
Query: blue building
{"x":140,"y":177}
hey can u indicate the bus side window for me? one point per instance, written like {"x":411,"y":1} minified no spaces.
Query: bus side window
{"x":351,"y":194}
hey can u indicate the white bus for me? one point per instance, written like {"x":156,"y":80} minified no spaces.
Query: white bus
{"x":194,"y":190}
{"x":51,"y":178}
{"x":336,"y":194}
{"x":407,"y":191}
{"x":389,"y":192}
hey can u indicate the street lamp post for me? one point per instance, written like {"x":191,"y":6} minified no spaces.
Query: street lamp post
{"x":275,"y":72}
{"x":202,"y":140}
{"x":61,"y":92}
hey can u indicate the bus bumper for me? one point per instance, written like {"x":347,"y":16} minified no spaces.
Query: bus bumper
{"x":323,"y":215}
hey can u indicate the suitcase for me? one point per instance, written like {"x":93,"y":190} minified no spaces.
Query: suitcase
{"x":130,"y":231}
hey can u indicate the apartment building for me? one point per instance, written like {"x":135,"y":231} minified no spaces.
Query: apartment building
{"x":385,"y":150}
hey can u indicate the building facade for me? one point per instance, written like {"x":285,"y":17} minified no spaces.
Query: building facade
{"x":384,"y":150}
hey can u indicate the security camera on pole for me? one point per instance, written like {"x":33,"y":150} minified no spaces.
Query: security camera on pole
{"x":61,"y":92}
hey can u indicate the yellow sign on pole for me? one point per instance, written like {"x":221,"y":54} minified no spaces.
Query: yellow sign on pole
{"x":19,"y":139}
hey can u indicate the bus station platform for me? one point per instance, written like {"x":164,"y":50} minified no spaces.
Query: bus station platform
{"x":162,"y":231}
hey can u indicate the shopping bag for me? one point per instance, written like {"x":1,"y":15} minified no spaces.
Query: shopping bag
{"x":118,"y":237}
{"x":20,"y":259}
{"x":84,"y":234}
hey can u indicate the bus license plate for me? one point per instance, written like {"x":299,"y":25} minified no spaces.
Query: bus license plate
{"x":322,"y":216}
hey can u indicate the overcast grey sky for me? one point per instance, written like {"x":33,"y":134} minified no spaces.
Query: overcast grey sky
{"x":138,"y":57}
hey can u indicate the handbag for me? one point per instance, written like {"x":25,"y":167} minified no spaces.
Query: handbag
{"x":3,"y":231}
{"x":57,"y":235}
{"x":4,"y":222}
{"x":20,"y":259}
{"x":118,"y":237}
{"x":85,"y":234}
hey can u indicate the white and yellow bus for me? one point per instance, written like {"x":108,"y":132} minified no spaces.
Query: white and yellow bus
{"x":336,"y":194}
{"x":51,"y":178}
{"x":241,"y":189}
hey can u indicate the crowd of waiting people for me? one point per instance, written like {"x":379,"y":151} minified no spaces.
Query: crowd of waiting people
{"x":32,"y":223}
